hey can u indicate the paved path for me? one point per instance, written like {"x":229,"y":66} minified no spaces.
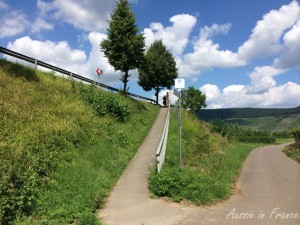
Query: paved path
{"x":269,"y":192}
{"x":129,"y":202}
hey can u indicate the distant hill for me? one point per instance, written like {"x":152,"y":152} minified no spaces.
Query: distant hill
{"x":256,"y":118}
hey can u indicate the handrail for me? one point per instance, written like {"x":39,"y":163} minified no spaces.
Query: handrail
{"x":68,"y":73}
{"x":161,"y":150}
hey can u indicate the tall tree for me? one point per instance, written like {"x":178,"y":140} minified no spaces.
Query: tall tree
{"x":124,"y":47}
{"x":159,"y":69}
{"x":193,"y":100}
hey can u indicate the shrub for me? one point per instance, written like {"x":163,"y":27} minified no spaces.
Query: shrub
{"x":169,"y":182}
{"x":296,"y":134}
{"x":105,"y":103}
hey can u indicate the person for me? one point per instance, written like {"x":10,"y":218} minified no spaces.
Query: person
{"x":165,"y":100}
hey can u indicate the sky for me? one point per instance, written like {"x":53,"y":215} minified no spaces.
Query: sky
{"x":238,"y":53}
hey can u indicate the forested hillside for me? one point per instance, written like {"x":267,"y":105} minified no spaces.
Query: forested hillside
{"x":257,"y":118}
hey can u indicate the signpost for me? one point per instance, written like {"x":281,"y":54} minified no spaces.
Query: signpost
{"x":179,"y":84}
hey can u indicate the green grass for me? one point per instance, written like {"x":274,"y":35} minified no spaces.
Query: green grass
{"x":293,"y":151}
{"x":210,"y":164}
{"x":58,"y":157}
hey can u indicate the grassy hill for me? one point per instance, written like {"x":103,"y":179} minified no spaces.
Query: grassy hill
{"x":63,"y":145}
{"x":256,"y":118}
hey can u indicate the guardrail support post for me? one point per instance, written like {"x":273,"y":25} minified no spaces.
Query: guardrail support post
{"x":35,"y":63}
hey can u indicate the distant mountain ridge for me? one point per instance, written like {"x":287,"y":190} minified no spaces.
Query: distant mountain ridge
{"x":232,"y":113}
{"x":270,"y":119}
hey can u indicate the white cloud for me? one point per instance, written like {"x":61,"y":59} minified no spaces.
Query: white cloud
{"x":175,"y":37}
{"x":56,"y":53}
{"x":60,"y":54}
{"x":265,"y":38}
{"x":207,"y":55}
{"x":3,"y":5}
{"x":291,"y":54}
{"x":262,"y":92}
{"x":12,"y":23}
{"x":40,"y":24}
{"x":85,"y":15}
{"x":262,"y":79}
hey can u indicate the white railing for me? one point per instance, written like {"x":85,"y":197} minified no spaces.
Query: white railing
{"x":161,"y":150}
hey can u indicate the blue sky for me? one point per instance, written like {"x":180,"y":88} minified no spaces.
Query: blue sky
{"x":239,"y":53}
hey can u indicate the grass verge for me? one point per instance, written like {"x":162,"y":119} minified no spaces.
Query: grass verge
{"x":60,"y":155}
{"x":293,"y":151}
{"x":210,"y":164}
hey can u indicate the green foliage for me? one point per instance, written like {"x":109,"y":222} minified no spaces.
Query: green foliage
{"x":58,"y":158}
{"x":169,"y":182}
{"x":237,"y":133}
{"x":105,"y":103}
{"x":210,"y":164}
{"x":159,"y":69}
{"x":296,"y":134}
{"x":293,"y":151}
{"x":193,"y":100}
{"x":124,"y":47}
{"x":210,"y":114}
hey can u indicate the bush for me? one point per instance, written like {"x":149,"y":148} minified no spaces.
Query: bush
{"x":296,"y":134}
{"x":105,"y":103}
{"x":169,"y":182}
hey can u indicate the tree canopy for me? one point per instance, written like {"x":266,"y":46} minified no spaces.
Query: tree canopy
{"x":159,"y":69}
{"x":123,"y":47}
{"x":193,"y":100}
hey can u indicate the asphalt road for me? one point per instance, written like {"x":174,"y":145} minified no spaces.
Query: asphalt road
{"x":268,"y":192}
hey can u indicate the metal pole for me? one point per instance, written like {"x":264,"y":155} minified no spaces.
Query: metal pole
{"x":180,"y":145}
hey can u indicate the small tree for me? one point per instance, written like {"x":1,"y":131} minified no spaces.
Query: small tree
{"x":124,"y":47}
{"x":193,"y":100}
{"x":159,"y":69}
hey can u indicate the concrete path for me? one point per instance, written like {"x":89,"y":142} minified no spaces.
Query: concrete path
{"x":269,"y":192}
{"x":129,"y":202}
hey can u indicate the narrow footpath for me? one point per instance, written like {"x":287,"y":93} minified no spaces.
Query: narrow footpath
{"x":268,"y":192}
{"x":129,"y":202}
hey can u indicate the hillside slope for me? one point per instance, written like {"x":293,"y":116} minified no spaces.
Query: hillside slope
{"x":256,"y":118}
{"x":63,"y":145}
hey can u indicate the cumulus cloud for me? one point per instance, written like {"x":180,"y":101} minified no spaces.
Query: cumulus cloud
{"x":291,"y":54}
{"x":265,"y":38}
{"x":207,"y":55}
{"x":84,"y":15}
{"x":175,"y":37}
{"x":262,"y":79}
{"x":55,"y":53}
{"x":12,"y":23}
{"x":262,"y":92}
{"x":60,"y":54}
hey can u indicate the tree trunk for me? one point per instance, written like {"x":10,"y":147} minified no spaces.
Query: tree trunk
{"x":157,"y":91}
{"x":125,"y":80}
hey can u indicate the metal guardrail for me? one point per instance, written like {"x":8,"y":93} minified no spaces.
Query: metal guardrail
{"x":68,"y":73}
{"x":161,"y":150}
